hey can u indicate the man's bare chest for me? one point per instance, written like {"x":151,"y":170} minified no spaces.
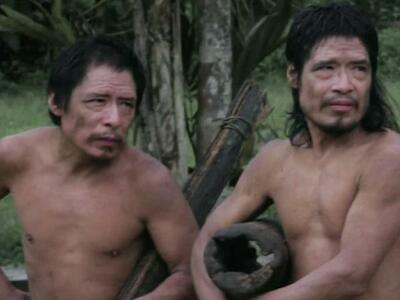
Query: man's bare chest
{"x":313,"y":201}
{"x":73,"y":213}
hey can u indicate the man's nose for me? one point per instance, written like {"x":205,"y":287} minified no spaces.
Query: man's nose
{"x":112,"y":116}
{"x":343,"y":82}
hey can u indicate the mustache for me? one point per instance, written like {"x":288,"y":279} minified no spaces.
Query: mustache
{"x":331,"y":100}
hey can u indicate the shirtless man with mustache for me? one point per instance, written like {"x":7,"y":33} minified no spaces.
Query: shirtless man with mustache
{"x":84,"y":197}
{"x":336,"y":180}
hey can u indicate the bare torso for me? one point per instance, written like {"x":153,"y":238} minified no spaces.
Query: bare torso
{"x":314,"y":208}
{"x":81,"y":234}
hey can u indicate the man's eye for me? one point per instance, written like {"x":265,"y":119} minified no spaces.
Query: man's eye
{"x":324,"y":70}
{"x":128,"y":103}
{"x":360,"y":71}
{"x":324,"y":67}
{"x":95,"y":103}
{"x":361,"y":68}
{"x":97,"y":100}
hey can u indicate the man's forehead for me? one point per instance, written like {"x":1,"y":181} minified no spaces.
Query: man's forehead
{"x":106,"y":72}
{"x":103,"y":79}
{"x":339,"y":45}
{"x":93,"y":67}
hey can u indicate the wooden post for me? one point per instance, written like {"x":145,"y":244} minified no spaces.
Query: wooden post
{"x":206,"y":183}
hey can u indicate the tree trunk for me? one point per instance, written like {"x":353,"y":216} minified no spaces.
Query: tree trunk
{"x":215,"y":70}
{"x":162,"y":121}
{"x":145,"y":131}
{"x":181,"y":134}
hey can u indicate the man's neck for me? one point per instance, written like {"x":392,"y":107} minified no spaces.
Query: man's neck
{"x":74,"y":160}
{"x":323,"y":143}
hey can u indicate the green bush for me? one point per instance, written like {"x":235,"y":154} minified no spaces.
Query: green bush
{"x":389,"y":58}
{"x":10,"y":232}
{"x":22,"y":106}
{"x":274,"y":65}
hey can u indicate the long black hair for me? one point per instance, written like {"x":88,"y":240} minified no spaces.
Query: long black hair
{"x":309,"y":28}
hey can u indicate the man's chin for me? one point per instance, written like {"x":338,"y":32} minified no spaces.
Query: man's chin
{"x":339,"y":129}
{"x":105,"y":154}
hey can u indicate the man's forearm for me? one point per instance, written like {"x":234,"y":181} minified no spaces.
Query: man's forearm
{"x":205,"y":288}
{"x":206,"y":291}
{"x":329,"y":282}
{"x":175,"y":287}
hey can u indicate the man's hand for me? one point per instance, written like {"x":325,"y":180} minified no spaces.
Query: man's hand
{"x":8,"y":291}
{"x":14,"y":294}
{"x":20,"y":295}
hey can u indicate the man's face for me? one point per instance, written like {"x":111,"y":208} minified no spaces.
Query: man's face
{"x":100,"y":112}
{"x":334,"y":85}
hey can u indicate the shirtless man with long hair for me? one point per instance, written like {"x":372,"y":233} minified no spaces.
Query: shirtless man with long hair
{"x":335,"y":181}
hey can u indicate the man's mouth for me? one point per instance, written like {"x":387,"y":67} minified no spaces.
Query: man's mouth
{"x":340,"y":104}
{"x":108,"y":140}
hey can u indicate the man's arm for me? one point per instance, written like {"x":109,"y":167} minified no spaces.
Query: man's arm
{"x":172,"y":228}
{"x":248,"y":199}
{"x":371,"y":228}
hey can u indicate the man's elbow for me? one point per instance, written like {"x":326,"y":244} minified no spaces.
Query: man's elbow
{"x":183,"y":280}
{"x":352,"y":282}
{"x":356,"y":288}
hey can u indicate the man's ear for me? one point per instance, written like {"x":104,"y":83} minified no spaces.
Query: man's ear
{"x":292,"y":76}
{"x":53,"y":106}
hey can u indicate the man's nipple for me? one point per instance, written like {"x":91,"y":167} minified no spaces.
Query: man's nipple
{"x":114,"y":253}
{"x":29,"y":238}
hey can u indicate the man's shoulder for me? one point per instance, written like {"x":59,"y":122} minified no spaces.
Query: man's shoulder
{"x":27,"y":136}
{"x":18,"y":151}
{"x":385,"y":145}
{"x":380,"y":165}
{"x":275,"y":149}
{"x":151,"y":179}
{"x":383,"y":153}
{"x":269,"y":157}
{"x":144,"y":166}
{"x":17,"y":144}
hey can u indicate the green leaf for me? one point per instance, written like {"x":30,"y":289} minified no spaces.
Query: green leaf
{"x":61,"y":26}
{"x":19,"y":23}
{"x":56,"y":9}
{"x":60,"y":33}
{"x":6,"y":24}
{"x":60,"y":23}
{"x":263,"y":38}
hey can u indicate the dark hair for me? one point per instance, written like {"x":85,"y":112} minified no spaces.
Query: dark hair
{"x":72,"y":64}
{"x":309,"y":28}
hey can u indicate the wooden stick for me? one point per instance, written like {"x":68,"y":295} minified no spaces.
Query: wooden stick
{"x":206,"y":183}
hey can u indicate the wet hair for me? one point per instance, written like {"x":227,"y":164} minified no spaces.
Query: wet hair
{"x":317,"y":23}
{"x":73,"y":63}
